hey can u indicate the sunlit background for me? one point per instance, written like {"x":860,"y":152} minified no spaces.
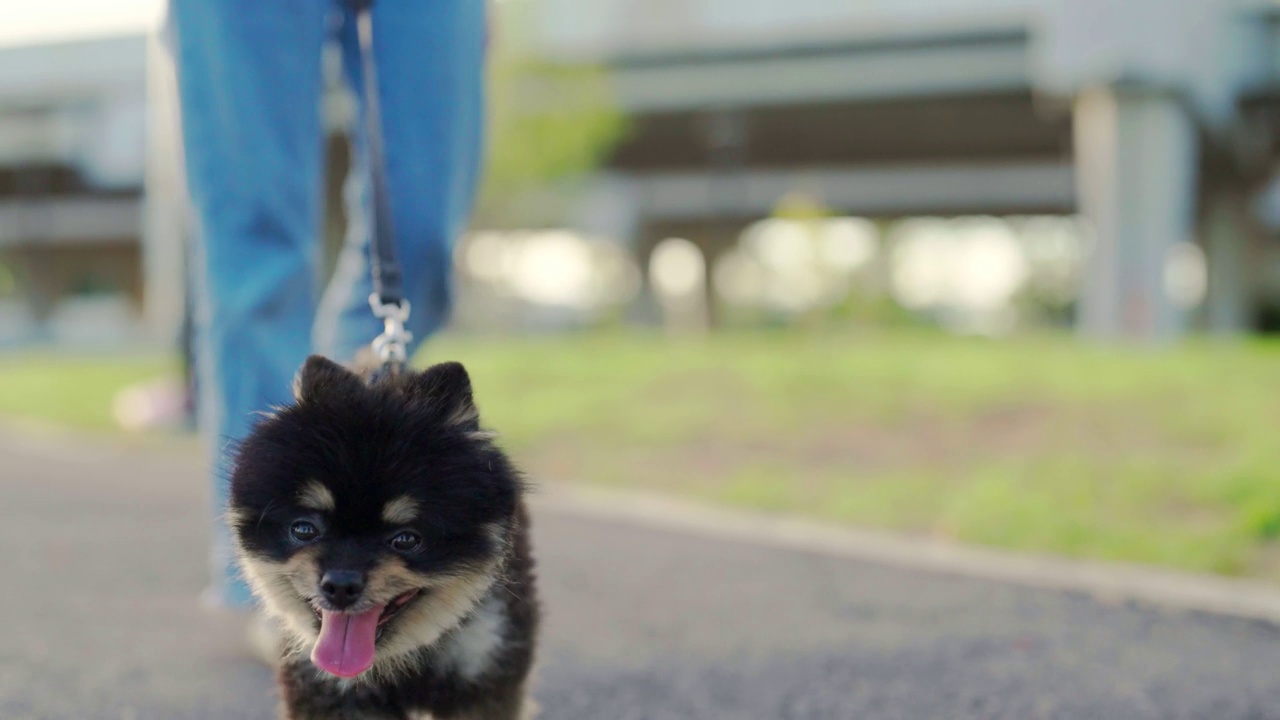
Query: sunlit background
{"x":989,"y":272}
{"x":966,"y":209}
{"x":723,"y":164}
{"x":999,"y":272}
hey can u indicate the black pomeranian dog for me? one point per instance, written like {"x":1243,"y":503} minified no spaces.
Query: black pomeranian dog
{"x":387,"y":534}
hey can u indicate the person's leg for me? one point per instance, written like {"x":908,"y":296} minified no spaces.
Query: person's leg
{"x":249,"y":79}
{"x":430,"y":64}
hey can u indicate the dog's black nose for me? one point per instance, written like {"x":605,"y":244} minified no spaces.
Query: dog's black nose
{"x":342,"y":587}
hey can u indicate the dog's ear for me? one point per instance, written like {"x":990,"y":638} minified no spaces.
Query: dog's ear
{"x":448,"y":387}
{"x":321,"y":377}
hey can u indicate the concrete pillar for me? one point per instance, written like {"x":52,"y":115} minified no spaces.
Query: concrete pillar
{"x":715,"y":244}
{"x":166,"y":219}
{"x":1229,"y":297}
{"x":1136,"y":166}
{"x":644,"y":309}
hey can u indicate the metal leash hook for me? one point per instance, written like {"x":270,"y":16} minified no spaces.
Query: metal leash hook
{"x":387,"y":300}
{"x":392,"y":345}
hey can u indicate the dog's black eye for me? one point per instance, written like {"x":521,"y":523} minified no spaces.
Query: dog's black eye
{"x":304,"y":531}
{"x":406,"y":541}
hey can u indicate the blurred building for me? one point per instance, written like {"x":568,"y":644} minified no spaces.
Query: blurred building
{"x":72,"y":158}
{"x":1154,"y":119}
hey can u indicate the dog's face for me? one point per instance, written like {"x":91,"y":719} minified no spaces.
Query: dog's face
{"x":370,"y":519}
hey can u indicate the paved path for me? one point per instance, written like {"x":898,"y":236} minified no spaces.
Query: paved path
{"x":101,"y":562}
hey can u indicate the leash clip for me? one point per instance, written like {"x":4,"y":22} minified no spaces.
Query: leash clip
{"x":391,"y":346}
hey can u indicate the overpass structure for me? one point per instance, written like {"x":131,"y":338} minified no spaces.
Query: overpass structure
{"x":1157,"y":120}
{"x":72,"y":158}
{"x":1154,"y":119}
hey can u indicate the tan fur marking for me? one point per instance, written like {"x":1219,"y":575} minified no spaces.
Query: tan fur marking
{"x":399,"y":511}
{"x":315,"y":496}
{"x":391,"y":578}
{"x":424,"y":623}
{"x":282,"y":587}
{"x":286,"y":587}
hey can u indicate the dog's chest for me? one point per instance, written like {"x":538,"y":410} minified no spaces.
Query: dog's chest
{"x":471,"y":651}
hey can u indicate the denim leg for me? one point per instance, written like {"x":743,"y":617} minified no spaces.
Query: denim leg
{"x":430,"y":63}
{"x":250,"y":81}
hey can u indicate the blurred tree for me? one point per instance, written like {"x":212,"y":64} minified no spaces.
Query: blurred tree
{"x":801,"y":207}
{"x":8,"y":280}
{"x":550,"y":122}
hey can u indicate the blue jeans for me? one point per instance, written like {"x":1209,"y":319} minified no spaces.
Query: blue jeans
{"x":250,"y":83}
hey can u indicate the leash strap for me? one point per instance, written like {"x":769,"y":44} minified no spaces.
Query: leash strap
{"x":387,"y":301}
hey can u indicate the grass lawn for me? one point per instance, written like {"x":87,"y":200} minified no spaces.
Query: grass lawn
{"x":1047,"y":445}
{"x":71,"y":390}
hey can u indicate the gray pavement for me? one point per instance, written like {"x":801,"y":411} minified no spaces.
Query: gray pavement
{"x":102,"y":560}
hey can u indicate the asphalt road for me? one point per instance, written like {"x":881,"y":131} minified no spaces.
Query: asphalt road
{"x":102,"y":561}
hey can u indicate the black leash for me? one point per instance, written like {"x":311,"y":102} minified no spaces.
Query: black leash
{"x":387,"y":301}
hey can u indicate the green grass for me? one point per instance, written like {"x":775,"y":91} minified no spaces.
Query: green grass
{"x":73,"y":391}
{"x":1165,"y":457}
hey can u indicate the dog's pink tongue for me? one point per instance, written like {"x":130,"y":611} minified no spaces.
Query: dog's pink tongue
{"x":345,"y":647}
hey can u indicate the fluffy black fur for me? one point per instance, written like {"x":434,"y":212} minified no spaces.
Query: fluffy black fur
{"x":368,"y":442}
